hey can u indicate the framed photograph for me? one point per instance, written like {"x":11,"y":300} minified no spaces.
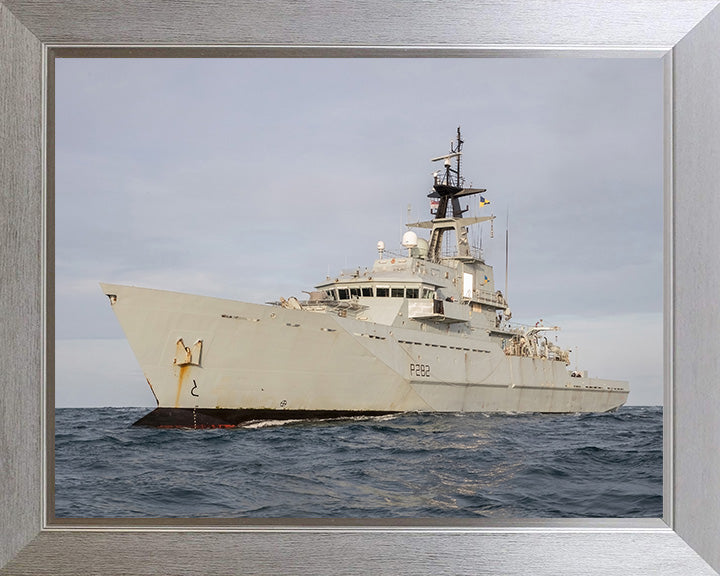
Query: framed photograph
{"x":263,"y":194}
{"x":683,"y":542}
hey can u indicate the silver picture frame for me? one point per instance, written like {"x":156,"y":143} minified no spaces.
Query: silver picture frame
{"x":684,"y":33}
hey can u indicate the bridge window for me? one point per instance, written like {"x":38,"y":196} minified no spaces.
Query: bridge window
{"x":343,"y":294}
{"x":398,"y":292}
{"x":382,"y":291}
{"x":355,"y":292}
{"x":367,"y":291}
{"x":412,"y":292}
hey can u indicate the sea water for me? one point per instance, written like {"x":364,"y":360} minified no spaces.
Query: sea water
{"x":400,"y":466}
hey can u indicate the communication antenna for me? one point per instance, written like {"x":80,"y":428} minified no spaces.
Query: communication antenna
{"x":577,"y":358}
{"x":455,"y":152}
{"x":507,"y":250}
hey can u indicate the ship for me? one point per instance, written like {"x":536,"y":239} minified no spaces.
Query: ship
{"x":422,"y":330}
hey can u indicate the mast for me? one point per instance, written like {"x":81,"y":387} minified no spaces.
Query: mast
{"x":449,"y":189}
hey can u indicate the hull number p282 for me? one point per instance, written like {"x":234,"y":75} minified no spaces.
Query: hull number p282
{"x":422,"y":370}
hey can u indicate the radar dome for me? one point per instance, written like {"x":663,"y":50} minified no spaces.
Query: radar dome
{"x":423,"y":248}
{"x":409,"y":239}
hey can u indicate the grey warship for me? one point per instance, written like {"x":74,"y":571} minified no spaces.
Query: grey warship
{"x":422,"y":331}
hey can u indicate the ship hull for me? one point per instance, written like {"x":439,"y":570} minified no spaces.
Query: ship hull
{"x":248,"y":361}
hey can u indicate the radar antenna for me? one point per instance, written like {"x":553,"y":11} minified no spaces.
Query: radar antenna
{"x":449,"y":187}
{"x":450,"y":183}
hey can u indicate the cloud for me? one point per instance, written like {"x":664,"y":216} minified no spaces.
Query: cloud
{"x":253,"y":179}
{"x":621,"y":347}
{"x":98,"y":372}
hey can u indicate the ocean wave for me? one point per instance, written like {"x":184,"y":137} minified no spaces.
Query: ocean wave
{"x":398,"y":465}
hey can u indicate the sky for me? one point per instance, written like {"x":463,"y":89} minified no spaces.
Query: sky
{"x":253,"y":179}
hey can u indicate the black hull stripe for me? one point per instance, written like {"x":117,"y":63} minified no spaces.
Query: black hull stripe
{"x":231,"y":417}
